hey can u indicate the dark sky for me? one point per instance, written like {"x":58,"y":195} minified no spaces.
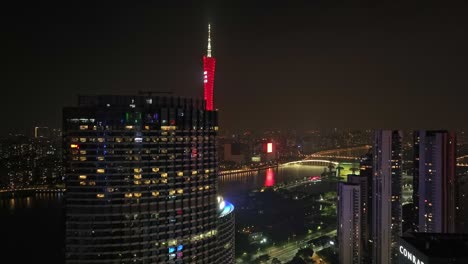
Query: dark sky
{"x":288,"y":67}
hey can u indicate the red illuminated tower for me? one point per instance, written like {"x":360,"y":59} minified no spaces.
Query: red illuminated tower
{"x":208,"y":75}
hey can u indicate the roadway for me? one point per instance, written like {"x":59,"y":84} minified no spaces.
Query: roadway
{"x":287,"y":251}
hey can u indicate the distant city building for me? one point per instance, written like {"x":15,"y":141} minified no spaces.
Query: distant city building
{"x":226,"y":232}
{"x":42,"y":132}
{"x":434,"y":181}
{"x":432,"y":248}
{"x":235,"y":152}
{"x":349,"y":223}
{"x":141,"y":180}
{"x":386,"y":200}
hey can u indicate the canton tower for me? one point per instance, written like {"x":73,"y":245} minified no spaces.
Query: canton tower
{"x":208,"y":75}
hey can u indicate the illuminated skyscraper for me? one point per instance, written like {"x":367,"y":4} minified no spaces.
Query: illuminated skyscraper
{"x":435,"y":188}
{"x":386,"y":200}
{"x":209,"y":64}
{"x":141,"y":174}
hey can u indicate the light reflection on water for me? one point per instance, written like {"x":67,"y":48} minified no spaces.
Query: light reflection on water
{"x":235,"y":184}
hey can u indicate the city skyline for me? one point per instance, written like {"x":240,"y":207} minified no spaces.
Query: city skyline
{"x":317,"y":61}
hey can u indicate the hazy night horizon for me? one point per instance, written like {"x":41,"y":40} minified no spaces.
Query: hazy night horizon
{"x":312,"y":66}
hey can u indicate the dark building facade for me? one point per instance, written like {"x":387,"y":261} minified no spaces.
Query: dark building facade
{"x":363,"y":183}
{"x":365,"y":170}
{"x":386,"y":199}
{"x":226,"y":232}
{"x":432,"y":248}
{"x":141,"y":179}
{"x":349,"y":223}
{"x":434,"y":181}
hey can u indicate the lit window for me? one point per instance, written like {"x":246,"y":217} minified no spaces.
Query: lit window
{"x":118,"y":140}
{"x":82,"y":158}
{"x":110,"y":189}
{"x":172,"y":192}
{"x":83,"y":152}
{"x":100,"y":158}
{"x":147,"y":127}
{"x":155,"y":193}
{"x":92,"y":183}
{"x":82,"y":139}
{"x":100,"y":140}
{"x":155,"y":169}
{"x":74,"y":139}
{"x":194,"y":172}
{"x":180,"y":173}
{"x":74,"y":146}
{"x":82,"y":177}
{"x":180,"y":191}
{"x":82,"y":183}
{"x":147,"y":181}
{"x":164,"y":175}
{"x":155,"y":181}
{"x":164,"y":180}
{"x":100,"y":170}
{"x":137,"y":182}
{"x":100,"y":195}
{"x":137,"y":176}
{"x":207,"y":187}
{"x":137,"y":195}
{"x":137,"y":170}
{"x":83,"y":127}
{"x":128,"y":127}
{"x":207,"y":171}
{"x":128,"y":195}
{"x":200,"y":188}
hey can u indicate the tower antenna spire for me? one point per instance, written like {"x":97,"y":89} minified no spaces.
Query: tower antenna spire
{"x":208,"y":53}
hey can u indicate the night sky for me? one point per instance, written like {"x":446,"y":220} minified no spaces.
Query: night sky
{"x":278,"y":67}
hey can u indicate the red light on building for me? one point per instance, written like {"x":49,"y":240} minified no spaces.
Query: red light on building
{"x":269,"y":147}
{"x":209,"y":64}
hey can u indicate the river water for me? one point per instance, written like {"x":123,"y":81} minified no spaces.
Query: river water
{"x":32,"y":228}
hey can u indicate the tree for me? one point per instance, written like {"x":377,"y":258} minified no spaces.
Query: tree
{"x":275,"y":261}
{"x":297,"y":260}
{"x":306,"y":254}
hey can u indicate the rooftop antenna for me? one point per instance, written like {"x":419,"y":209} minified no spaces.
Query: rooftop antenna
{"x":208,"y":53}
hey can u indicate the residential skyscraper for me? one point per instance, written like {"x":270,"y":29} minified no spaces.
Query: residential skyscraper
{"x":365,"y":170}
{"x":363,"y":183}
{"x":141,"y":179}
{"x":349,"y":223}
{"x":209,"y":64}
{"x":434,"y":181}
{"x":386,"y":200}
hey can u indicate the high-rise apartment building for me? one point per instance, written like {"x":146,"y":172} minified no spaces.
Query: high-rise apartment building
{"x":363,"y":183}
{"x":349,"y":223}
{"x":434,"y":181}
{"x":386,"y":200}
{"x":141,"y":179}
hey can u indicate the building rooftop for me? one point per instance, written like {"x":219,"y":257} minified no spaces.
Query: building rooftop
{"x":439,"y":245}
